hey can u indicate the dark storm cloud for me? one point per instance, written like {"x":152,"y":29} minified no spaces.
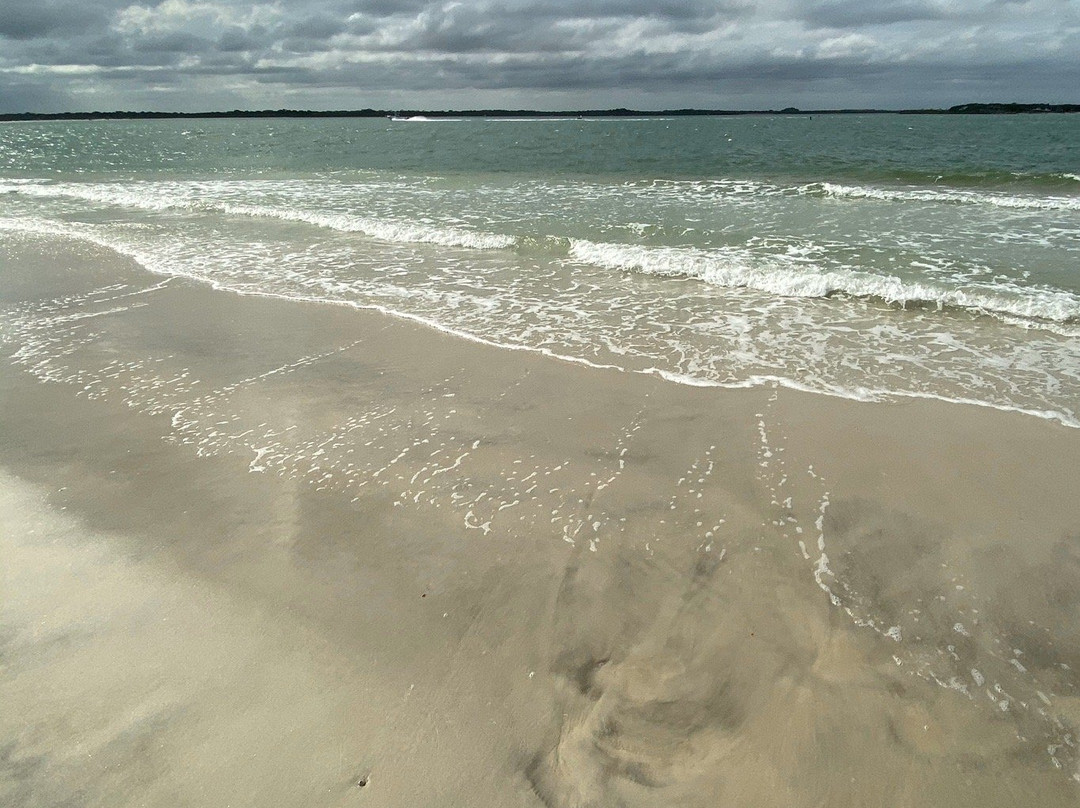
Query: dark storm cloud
{"x":315,"y":26}
{"x":662,"y":52}
{"x":172,"y":42}
{"x":389,"y":8}
{"x":858,"y":13}
{"x":30,"y":20}
{"x":237,"y":39}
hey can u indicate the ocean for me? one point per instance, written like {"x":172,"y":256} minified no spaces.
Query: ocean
{"x":872,"y":257}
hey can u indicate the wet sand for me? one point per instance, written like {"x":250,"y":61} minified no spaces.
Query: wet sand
{"x":257,"y":552}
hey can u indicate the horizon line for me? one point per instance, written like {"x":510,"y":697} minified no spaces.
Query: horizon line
{"x":368,"y":112}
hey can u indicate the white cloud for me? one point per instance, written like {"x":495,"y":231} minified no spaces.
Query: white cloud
{"x":853,"y":44}
{"x":182,"y":15}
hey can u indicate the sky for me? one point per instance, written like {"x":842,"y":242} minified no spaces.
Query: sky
{"x":192,"y":55}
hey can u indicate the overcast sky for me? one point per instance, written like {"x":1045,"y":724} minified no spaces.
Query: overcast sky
{"x":186,"y":55}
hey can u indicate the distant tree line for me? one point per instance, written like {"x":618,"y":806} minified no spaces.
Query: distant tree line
{"x":1011,"y":109}
{"x":619,"y":112}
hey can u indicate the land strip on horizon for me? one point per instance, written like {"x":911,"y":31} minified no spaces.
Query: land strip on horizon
{"x":620,"y":112}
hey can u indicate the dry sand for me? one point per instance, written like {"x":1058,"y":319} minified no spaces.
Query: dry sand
{"x":257,"y":552}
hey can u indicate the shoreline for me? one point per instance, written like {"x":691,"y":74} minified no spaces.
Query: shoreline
{"x":1063,"y":417}
{"x":470,"y":576}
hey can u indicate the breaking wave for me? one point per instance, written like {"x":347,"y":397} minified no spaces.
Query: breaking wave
{"x":782,"y":275}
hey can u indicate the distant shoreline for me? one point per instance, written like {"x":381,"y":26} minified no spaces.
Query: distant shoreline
{"x":961,"y":109}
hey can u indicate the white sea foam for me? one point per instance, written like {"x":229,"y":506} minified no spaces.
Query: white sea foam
{"x":404,"y":232}
{"x":954,"y":196}
{"x":791,"y":277}
{"x":153,"y":197}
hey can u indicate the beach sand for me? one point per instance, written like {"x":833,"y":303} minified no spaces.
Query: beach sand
{"x":264,"y":552}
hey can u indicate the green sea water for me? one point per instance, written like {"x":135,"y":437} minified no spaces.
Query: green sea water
{"x":985,"y":150}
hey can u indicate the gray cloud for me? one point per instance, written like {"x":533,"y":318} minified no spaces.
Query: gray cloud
{"x":171,"y":42}
{"x":193,"y":54}
{"x":31,"y":20}
{"x":237,"y":39}
{"x":388,"y":8}
{"x":315,"y":26}
{"x":858,"y":13}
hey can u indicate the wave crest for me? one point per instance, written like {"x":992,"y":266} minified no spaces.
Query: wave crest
{"x":383,"y":229}
{"x":948,"y":196}
{"x":786,"y":276}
